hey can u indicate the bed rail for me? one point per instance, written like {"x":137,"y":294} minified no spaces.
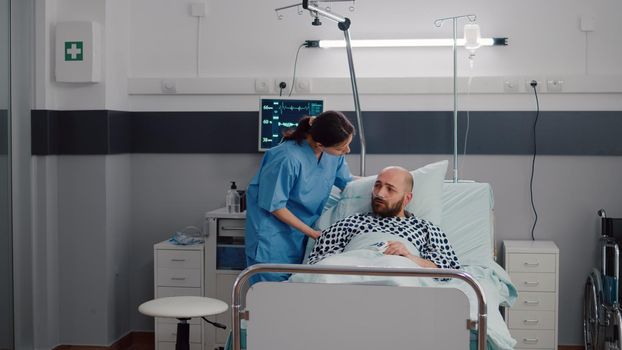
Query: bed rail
{"x":242,"y":280}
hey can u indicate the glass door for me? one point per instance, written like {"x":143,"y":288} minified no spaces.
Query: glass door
{"x":6,"y":245}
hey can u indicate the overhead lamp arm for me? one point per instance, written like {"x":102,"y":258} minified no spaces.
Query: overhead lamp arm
{"x":344,"y":25}
{"x":342,"y":22}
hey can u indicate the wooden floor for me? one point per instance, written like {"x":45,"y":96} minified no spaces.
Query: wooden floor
{"x":132,"y":341}
{"x":146,"y":341}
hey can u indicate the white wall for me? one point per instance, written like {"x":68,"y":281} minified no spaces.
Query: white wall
{"x":22,"y":61}
{"x":118,"y":239}
{"x":46,"y":284}
{"x":6,"y":267}
{"x":244,"y":40}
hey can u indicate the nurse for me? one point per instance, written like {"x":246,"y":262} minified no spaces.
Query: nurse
{"x":289,"y":191}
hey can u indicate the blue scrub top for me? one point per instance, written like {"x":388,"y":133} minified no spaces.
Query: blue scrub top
{"x":290,"y":176}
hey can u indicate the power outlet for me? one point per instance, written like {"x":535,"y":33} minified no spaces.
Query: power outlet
{"x":303,"y":85}
{"x":262,"y":85}
{"x":168,"y":86}
{"x":510,"y":85}
{"x":277,"y":84}
{"x":554,"y":85}
{"x":529,"y":89}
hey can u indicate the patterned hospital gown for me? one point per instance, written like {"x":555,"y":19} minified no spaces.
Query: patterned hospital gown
{"x":429,"y":240}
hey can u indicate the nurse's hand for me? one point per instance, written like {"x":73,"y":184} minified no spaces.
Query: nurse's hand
{"x":314,"y":234}
{"x":289,"y":218}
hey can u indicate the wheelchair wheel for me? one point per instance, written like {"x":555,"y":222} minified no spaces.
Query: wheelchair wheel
{"x":618,"y":328}
{"x":592,"y":312}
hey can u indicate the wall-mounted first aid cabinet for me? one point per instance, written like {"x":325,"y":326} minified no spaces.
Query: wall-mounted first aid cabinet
{"x":78,"y":52}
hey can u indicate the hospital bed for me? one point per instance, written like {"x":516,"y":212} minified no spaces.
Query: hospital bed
{"x":371,"y":307}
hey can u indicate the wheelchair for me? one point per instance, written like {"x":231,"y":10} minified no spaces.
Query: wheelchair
{"x":602,"y":311}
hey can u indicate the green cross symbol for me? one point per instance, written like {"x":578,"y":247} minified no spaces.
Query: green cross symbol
{"x":74,"y":50}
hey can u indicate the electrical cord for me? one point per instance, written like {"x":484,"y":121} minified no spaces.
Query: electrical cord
{"x":533,"y":160}
{"x":291,"y":88}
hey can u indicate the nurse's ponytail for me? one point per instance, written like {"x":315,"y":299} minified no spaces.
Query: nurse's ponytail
{"x":329,"y":128}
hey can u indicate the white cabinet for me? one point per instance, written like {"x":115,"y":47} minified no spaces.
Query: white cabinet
{"x":533,"y":267}
{"x":224,"y":259}
{"x":178,"y":271}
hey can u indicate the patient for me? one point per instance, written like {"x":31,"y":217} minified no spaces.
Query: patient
{"x":391,"y":193}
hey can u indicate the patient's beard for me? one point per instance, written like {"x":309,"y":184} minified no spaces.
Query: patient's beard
{"x":386,"y":209}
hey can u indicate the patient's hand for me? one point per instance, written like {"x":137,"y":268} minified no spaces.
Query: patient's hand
{"x":398,"y":248}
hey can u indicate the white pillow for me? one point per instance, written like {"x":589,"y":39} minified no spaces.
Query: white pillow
{"x":426,"y":203}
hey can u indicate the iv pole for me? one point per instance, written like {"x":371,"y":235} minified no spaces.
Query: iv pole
{"x":438,"y":23}
{"x":344,"y":25}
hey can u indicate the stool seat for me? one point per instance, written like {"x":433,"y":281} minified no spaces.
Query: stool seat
{"x":182,"y":307}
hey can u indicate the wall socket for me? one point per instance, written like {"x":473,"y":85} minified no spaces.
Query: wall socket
{"x":168,"y":86}
{"x":263,"y":85}
{"x":529,"y":89}
{"x":554,"y":85}
{"x":510,"y":85}
{"x":302,"y":85}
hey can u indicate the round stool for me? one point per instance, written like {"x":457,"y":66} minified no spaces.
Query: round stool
{"x":183,"y":308}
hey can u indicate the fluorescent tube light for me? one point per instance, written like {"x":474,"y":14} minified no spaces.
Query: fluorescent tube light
{"x":402,"y":42}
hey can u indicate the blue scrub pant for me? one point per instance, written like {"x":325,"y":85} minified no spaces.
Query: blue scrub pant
{"x":265,"y":277}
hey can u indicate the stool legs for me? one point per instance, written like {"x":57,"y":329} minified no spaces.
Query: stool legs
{"x":183,"y":335}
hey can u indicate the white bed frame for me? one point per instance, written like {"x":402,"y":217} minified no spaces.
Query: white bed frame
{"x":346,"y":316}
{"x":301,"y":316}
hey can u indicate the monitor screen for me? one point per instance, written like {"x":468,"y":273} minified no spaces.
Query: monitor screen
{"x":279,"y":114}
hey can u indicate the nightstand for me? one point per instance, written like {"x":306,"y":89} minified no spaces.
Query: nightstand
{"x":225,"y":258}
{"x":533,"y":267}
{"x":178,"y":271}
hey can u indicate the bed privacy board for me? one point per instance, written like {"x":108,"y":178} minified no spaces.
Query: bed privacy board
{"x":306,"y":318}
{"x":327,"y":306}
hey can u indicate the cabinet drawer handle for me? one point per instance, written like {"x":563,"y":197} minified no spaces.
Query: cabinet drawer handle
{"x":532,"y":302}
{"x":232,"y":228}
{"x":527,"y":283}
{"x":530,"y":340}
{"x":178,"y":260}
{"x":531,"y":321}
{"x":528,"y":264}
{"x":178,"y":278}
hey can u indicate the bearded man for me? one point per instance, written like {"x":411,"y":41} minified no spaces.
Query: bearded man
{"x":391,"y":193}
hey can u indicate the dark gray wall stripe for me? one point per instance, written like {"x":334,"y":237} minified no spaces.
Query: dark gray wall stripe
{"x":80,"y":132}
{"x":496,"y":132}
{"x":194,"y":132}
{"x":4,"y":131}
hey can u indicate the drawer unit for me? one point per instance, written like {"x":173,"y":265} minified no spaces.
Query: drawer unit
{"x":531,"y":263}
{"x":527,"y":282}
{"x":535,"y":301}
{"x":178,"y":271}
{"x":225,"y":257}
{"x":534,"y":339}
{"x":179,"y":277}
{"x":520,"y":319}
{"x":179,"y":259}
{"x":533,"y":267}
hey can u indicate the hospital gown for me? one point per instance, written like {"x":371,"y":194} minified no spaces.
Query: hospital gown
{"x":427,"y":238}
